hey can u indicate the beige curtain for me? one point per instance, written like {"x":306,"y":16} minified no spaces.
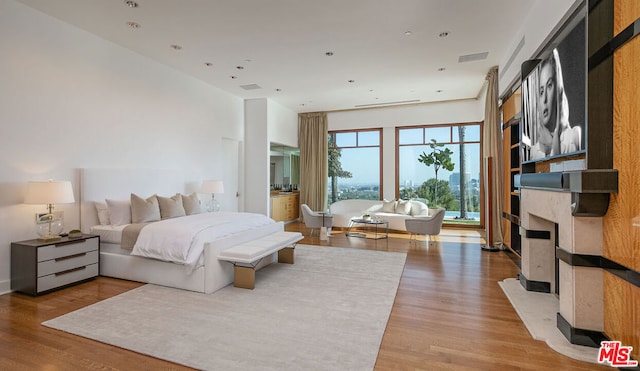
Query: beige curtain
{"x":492,"y":152}
{"x":313,"y":160}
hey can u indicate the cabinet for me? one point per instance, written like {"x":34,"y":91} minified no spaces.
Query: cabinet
{"x":38,"y":267}
{"x":511,"y":117}
{"x":285,"y":207}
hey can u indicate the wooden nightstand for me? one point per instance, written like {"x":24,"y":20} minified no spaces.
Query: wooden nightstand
{"x":38,"y":267}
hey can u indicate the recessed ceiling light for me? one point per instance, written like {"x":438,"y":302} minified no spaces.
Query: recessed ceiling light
{"x":328,"y":54}
{"x":175,"y":47}
{"x":208,"y":64}
{"x":444,"y":34}
{"x":133,"y":25}
{"x":407,"y":33}
{"x":131,"y":4}
{"x":442,"y":69}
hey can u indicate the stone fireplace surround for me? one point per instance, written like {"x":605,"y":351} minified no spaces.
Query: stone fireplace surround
{"x":548,"y":205}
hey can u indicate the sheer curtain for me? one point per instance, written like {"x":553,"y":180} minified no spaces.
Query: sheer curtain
{"x":313,"y":160}
{"x":491,"y":149}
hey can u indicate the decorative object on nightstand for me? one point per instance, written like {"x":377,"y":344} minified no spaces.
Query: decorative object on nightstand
{"x":38,"y":267}
{"x":50,"y":192}
{"x":213,"y":187}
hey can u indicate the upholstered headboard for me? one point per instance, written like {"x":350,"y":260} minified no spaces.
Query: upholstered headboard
{"x":118,"y":184}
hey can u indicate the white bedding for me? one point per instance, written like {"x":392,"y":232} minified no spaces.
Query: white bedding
{"x":181,"y":240}
{"x":108,"y":233}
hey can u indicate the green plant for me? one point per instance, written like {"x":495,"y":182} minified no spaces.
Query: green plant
{"x":439,"y":158}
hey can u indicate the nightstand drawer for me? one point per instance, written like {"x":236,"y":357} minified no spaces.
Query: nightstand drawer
{"x":67,"y":248}
{"x":66,"y":277}
{"x":67,"y":262}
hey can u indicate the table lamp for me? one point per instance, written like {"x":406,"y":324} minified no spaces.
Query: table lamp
{"x":49,"y":192}
{"x":213,"y":187}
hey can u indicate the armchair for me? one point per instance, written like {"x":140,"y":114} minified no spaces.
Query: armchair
{"x":427,"y":225}
{"x":313,"y":219}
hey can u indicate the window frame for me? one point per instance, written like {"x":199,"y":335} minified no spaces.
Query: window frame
{"x":379,"y":146}
{"x":426,"y":142}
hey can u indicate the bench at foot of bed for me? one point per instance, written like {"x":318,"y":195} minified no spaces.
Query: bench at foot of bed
{"x":246,"y":256}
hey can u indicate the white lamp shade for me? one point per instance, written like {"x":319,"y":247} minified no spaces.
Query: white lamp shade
{"x":212,"y":186}
{"x":49,"y":192}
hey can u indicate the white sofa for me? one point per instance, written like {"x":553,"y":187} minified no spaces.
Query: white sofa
{"x":392,"y":211}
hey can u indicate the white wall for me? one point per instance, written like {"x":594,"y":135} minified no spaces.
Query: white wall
{"x":537,"y":28}
{"x":257,"y":154}
{"x":388,"y":118}
{"x":69,"y":99}
{"x":283,"y":124}
{"x":265,"y":122}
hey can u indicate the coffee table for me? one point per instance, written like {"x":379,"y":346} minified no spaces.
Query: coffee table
{"x":368,"y":223}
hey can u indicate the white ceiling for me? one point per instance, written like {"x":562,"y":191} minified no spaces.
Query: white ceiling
{"x":282,"y":44}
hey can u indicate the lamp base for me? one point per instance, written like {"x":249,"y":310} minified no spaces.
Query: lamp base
{"x":49,"y":238}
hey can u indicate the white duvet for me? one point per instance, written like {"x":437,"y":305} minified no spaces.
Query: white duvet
{"x":181,"y":240}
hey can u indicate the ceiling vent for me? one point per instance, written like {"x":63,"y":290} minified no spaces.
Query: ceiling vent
{"x":472,"y":57}
{"x":251,"y":87}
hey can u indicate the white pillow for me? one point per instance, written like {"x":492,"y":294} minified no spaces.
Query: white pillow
{"x":388,"y":206}
{"x":191,"y":204}
{"x":119,"y":211}
{"x":419,"y":208}
{"x":171,"y":207}
{"x":403,"y":207}
{"x":144,"y":210}
{"x":103,"y":212}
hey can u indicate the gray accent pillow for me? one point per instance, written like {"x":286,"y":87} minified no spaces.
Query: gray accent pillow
{"x":119,"y":211}
{"x":191,"y":204}
{"x":171,"y":207}
{"x":143,"y":211}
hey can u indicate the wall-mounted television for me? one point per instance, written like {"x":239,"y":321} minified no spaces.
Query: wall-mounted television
{"x":554,"y":97}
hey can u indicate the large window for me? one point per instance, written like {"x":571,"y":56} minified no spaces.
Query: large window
{"x":355,"y":165}
{"x":441,"y":165}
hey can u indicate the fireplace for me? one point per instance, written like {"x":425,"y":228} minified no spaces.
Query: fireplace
{"x":560,"y":256}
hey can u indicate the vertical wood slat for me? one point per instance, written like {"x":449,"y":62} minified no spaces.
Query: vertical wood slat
{"x":621,"y":224}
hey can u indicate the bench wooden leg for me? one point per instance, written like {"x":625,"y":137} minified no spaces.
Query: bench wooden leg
{"x":286,"y":255}
{"x":244,"y":277}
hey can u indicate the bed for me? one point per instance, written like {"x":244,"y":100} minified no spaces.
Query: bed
{"x":206,"y":275}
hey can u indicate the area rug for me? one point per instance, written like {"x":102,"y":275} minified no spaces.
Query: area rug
{"x":328,"y":311}
{"x":538,"y":313}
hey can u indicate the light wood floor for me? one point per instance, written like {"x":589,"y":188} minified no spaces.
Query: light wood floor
{"x":449,"y":314}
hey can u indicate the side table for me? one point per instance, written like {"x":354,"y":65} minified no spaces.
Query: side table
{"x":38,"y":267}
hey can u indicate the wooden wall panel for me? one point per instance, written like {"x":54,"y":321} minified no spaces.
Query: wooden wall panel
{"x":623,"y":300}
{"x":625,"y":13}
{"x":622,"y":221}
{"x":506,"y":184}
{"x":621,"y":224}
{"x":511,"y":106}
